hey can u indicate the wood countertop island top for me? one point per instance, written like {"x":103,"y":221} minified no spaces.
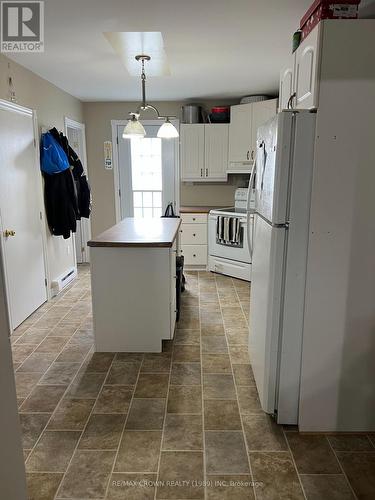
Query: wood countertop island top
{"x":132,"y":232}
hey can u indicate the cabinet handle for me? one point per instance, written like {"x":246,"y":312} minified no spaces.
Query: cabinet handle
{"x":194,"y":218}
{"x":194,"y":255}
{"x":194,"y":234}
{"x":290,"y":101}
{"x":252,"y":154}
{"x":248,"y":155}
{"x":201,"y":172}
{"x":206,"y":172}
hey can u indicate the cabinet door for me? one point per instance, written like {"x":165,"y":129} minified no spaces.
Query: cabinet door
{"x":286,"y":87}
{"x":192,"y":151}
{"x":216,"y":151}
{"x":262,"y":112}
{"x":240,"y":133}
{"x":307,"y":62}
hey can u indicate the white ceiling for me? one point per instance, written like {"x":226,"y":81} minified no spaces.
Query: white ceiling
{"x":215,"y":48}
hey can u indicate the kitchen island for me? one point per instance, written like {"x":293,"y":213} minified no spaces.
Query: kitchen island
{"x":133,"y":278}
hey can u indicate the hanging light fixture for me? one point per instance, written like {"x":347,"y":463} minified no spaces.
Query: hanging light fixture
{"x":134,"y":128}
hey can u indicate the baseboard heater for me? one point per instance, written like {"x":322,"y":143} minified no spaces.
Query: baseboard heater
{"x":62,"y":281}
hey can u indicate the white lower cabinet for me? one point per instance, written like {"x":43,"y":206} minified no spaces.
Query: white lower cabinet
{"x":193,"y":238}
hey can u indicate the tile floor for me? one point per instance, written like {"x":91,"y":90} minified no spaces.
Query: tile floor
{"x":183,"y":424}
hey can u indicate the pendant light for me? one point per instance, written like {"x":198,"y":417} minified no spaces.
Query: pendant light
{"x":134,"y":128}
{"x":167,"y":130}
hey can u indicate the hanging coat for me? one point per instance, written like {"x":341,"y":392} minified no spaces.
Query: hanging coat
{"x":60,"y":196}
{"x":82,"y":185}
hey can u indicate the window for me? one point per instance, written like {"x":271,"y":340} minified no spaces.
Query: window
{"x":147,"y":181}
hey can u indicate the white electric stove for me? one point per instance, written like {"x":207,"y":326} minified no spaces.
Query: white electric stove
{"x":229,"y":259}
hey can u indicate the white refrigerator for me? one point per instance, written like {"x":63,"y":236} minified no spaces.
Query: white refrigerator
{"x":283,"y":176}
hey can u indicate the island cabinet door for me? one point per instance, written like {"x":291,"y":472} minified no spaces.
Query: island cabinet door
{"x":173,"y":307}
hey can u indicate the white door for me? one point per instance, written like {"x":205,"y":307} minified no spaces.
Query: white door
{"x":306,"y":84}
{"x":20,"y":214}
{"x":240,"y":133}
{"x":148,"y":173}
{"x":192,"y":151}
{"x":286,"y":88}
{"x":265,"y":307}
{"x":216,"y":151}
{"x":75,"y":133}
{"x":262,"y":112}
{"x":273,"y":164}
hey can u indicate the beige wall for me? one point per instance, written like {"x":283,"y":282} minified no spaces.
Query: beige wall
{"x":98,"y":116}
{"x":51,"y":105}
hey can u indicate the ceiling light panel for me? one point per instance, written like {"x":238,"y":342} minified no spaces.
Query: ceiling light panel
{"x":127,"y":44}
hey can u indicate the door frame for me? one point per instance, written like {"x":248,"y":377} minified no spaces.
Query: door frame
{"x":116,"y":170}
{"x":85,"y":223}
{"x":16,"y":108}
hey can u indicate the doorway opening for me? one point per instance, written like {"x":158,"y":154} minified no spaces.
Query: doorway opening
{"x":147,"y":175}
{"x":76,"y":134}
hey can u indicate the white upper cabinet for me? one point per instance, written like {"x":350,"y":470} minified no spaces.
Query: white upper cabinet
{"x":306,"y":72}
{"x":204,"y":152}
{"x":240,"y":133}
{"x":286,"y":88}
{"x":262,"y":111}
{"x":192,"y":151}
{"x":216,"y":151}
{"x":244,"y":122}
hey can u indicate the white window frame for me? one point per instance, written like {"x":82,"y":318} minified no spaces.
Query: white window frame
{"x":116,"y":173}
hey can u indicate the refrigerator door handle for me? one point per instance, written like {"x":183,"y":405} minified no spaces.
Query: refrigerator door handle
{"x":249,"y":240}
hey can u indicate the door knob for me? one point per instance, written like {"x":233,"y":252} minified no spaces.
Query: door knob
{"x":9,"y":232}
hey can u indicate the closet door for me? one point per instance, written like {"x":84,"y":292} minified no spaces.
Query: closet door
{"x":20,"y":213}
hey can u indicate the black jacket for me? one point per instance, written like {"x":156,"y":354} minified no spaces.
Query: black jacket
{"x":81,"y":184}
{"x":61,"y":203}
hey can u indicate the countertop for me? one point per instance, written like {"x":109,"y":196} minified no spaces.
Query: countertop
{"x":139,"y":233}
{"x":198,"y":210}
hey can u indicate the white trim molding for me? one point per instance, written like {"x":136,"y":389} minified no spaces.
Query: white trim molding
{"x":85,"y":223}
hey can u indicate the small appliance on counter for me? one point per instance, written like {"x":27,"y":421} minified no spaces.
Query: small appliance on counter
{"x":228,"y":240}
